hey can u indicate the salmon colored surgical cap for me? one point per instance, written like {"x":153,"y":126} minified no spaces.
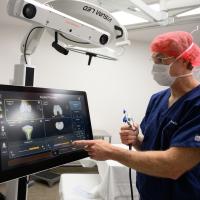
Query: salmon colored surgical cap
{"x":177,"y":43}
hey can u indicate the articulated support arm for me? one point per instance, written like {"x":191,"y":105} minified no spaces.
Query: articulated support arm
{"x":97,"y":28}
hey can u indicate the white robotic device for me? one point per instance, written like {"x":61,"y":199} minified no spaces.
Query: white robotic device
{"x":81,"y":26}
{"x":78,"y":25}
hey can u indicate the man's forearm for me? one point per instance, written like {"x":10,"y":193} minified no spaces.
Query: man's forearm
{"x":154,"y":163}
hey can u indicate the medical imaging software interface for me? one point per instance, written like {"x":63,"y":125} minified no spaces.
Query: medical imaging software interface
{"x":39,"y":126}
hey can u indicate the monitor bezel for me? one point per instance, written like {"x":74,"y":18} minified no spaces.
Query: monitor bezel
{"x":47,"y":164}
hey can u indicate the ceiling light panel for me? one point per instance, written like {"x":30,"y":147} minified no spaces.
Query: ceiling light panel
{"x":195,"y":11}
{"x":127,"y":18}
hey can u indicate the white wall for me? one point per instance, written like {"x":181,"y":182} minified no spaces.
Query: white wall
{"x":111,"y":86}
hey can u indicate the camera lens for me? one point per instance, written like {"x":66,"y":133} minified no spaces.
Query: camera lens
{"x":103,"y":39}
{"x":29,"y":11}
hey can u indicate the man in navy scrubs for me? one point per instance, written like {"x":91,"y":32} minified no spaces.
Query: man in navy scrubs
{"x":168,"y":155}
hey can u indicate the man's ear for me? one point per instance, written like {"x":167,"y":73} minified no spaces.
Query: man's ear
{"x":187,"y":64}
{"x":190,"y":67}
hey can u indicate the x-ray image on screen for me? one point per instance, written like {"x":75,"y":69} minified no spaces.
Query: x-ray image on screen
{"x":57,"y":127}
{"x":28,"y":130}
{"x":25,"y":107}
{"x":56,"y":108}
{"x":19,"y":110}
{"x":25,"y":132}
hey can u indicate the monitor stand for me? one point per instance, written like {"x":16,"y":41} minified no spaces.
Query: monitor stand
{"x":24,"y":76}
{"x":2,"y":197}
{"x":17,"y":189}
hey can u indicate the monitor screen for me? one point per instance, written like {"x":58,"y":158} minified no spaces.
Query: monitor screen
{"x":37,"y":127}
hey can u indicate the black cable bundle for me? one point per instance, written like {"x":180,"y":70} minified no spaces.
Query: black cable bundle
{"x":130,"y":177}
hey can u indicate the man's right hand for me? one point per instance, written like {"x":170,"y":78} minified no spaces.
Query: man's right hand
{"x":129,"y":135}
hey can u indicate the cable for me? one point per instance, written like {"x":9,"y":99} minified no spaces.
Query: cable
{"x":128,"y":120}
{"x":71,"y":49}
{"x":130,"y":176}
{"x":25,"y":46}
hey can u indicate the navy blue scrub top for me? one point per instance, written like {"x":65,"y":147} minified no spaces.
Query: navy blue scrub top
{"x":163,"y":127}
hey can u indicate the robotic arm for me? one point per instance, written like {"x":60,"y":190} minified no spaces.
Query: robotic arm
{"x":46,"y":16}
{"x":81,"y":26}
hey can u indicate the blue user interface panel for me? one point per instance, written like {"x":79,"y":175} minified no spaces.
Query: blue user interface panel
{"x":40,"y":125}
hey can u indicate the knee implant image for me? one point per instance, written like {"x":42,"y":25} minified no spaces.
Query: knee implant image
{"x":59,"y":125}
{"x":57,"y":110}
{"x":28,"y":131}
{"x":25,"y":107}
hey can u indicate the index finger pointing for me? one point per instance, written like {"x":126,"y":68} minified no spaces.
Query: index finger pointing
{"x":83,"y":142}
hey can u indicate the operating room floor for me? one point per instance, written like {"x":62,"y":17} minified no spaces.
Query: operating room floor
{"x":40,"y":191}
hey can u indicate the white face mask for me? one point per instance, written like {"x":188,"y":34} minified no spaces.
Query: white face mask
{"x":162,"y":76}
{"x":161,"y":72}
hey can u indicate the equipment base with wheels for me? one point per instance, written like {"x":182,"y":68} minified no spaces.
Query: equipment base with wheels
{"x":48,"y":177}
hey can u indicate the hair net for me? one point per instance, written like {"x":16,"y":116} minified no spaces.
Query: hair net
{"x":176,"y":44}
